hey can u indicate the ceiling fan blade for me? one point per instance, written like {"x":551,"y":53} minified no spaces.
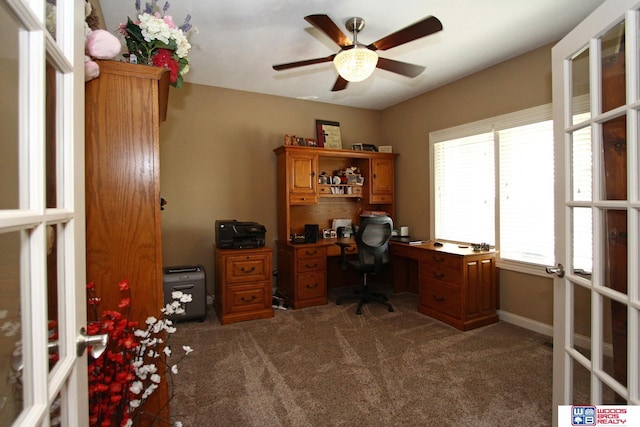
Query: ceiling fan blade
{"x":428,"y":25}
{"x":280,"y":67}
{"x":340,"y":84}
{"x":404,"y":68}
{"x":327,"y":26}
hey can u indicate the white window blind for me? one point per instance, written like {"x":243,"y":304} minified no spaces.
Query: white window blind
{"x":526,"y":193}
{"x":508,"y":158}
{"x":464,"y":189}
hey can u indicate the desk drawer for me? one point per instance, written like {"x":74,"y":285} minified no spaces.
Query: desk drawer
{"x":310,"y":252}
{"x":440,"y":272}
{"x":243,"y":298}
{"x":311,"y":264}
{"x":335,"y":250}
{"x":441,"y":297}
{"x":440,"y":259}
{"x":312,"y":285}
{"x":247,"y":268}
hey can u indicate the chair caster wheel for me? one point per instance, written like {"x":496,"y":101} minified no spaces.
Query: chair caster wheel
{"x":391,"y":309}
{"x":358,"y":312}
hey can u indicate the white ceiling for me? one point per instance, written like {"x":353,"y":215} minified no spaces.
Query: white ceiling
{"x":238,"y":41}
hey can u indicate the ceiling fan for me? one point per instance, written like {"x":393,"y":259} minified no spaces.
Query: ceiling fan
{"x":356,"y":61}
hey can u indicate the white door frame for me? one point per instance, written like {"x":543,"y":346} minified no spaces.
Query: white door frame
{"x":65,"y":52}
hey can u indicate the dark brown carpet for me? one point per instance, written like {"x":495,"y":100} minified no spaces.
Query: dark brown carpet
{"x":326,"y":366}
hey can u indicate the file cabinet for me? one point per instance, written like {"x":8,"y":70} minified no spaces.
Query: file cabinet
{"x":243,"y":287}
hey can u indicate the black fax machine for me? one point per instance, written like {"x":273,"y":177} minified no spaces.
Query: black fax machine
{"x":232,"y":234}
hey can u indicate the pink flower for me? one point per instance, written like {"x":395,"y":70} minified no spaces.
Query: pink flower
{"x":169,"y":21}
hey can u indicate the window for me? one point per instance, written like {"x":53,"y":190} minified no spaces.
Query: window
{"x":493,"y":183}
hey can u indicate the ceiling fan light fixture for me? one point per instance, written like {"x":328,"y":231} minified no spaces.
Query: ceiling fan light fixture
{"x":356,"y":64}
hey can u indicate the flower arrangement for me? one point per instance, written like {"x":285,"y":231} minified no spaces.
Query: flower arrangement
{"x":125,"y":376}
{"x":154,"y":39}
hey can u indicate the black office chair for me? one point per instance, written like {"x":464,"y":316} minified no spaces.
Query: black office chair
{"x":372,"y":240}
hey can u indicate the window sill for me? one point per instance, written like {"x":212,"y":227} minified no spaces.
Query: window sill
{"x":523,"y":267}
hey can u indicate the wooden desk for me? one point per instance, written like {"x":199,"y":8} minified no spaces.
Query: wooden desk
{"x":455,"y":284}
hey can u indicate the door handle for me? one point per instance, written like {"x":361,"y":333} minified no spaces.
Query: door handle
{"x":559,"y":270}
{"x":98,"y":343}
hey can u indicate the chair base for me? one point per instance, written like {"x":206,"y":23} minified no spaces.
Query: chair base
{"x":365,"y":297}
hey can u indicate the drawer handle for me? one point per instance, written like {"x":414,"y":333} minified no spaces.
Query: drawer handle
{"x":311,"y":266}
{"x":249,"y":299}
{"x":315,"y":285}
{"x":311,"y":253}
{"x":437,"y":298}
{"x":438,"y":275}
{"x":251,"y":270}
{"x":436,"y":259}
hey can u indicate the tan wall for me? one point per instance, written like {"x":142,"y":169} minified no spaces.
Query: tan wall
{"x":520,"y":83}
{"x":217,"y":160}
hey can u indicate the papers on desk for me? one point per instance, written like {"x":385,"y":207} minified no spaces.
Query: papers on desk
{"x":416,"y":242}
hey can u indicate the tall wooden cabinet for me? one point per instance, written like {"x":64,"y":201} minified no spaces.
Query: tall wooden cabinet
{"x":123,"y":111}
{"x":303,"y":268}
{"x":124,"y":107}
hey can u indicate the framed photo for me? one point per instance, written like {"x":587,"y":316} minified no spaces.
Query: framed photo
{"x":369,"y":147}
{"x":328,"y":134}
{"x":356,"y":147}
{"x":301,"y":142}
{"x":311,"y":142}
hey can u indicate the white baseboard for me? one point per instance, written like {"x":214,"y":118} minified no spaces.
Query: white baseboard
{"x":544,"y":329}
{"x":523,"y":322}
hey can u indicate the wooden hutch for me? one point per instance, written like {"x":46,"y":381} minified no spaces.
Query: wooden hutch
{"x":303,"y":269}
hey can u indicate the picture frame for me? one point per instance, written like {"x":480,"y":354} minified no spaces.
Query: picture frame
{"x":311,"y":142}
{"x":328,"y":134}
{"x":356,"y":147}
{"x":301,"y":142}
{"x":369,"y":147}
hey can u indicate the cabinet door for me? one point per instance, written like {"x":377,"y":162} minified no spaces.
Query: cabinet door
{"x":481,"y":292}
{"x":382,"y":178}
{"x":302,"y":184}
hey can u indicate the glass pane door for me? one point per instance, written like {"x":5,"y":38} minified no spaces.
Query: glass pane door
{"x":596,"y":309}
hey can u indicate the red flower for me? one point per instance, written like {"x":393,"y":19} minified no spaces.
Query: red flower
{"x":164,"y":58}
{"x":123,"y":285}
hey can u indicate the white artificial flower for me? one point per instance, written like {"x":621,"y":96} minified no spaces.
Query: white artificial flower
{"x":180,"y":310}
{"x":156,"y":378}
{"x":174,"y":369}
{"x":186,"y":298}
{"x":136,"y":387}
{"x":170,"y":330}
{"x":177,"y":424}
{"x":151,"y":320}
{"x":176,"y":294}
{"x":167,"y":351}
{"x":187,"y":349}
{"x":152,"y":387}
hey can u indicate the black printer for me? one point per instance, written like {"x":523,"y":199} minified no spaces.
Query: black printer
{"x":232,"y":234}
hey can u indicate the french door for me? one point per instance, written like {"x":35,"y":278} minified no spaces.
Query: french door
{"x":42,"y":269}
{"x":596,"y":97}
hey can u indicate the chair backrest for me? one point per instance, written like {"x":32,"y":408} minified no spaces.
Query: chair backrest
{"x":373,"y":242}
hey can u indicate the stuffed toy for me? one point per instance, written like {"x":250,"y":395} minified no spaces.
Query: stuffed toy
{"x":100,"y":44}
